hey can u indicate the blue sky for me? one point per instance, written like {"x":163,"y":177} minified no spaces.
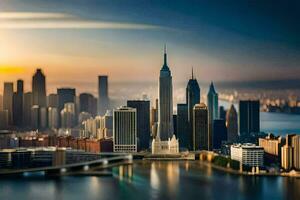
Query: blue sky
{"x":224,"y":41}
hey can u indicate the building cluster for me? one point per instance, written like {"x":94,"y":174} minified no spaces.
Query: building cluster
{"x":36,"y":140}
{"x":89,"y":123}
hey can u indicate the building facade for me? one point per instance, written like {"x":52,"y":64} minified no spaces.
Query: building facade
{"x":232,"y":124}
{"x":125,"y":129}
{"x":200,"y":127}
{"x":103,"y":99}
{"x":249,"y":120}
{"x":248,"y":154}
{"x":213,"y":111}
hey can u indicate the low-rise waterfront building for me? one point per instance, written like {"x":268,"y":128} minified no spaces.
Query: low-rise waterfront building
{"x":248,"y":154}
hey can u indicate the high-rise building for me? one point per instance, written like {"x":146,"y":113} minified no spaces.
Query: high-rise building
{"x":165,"y":140}
{"x":192,"y":98}
{"x":68,"y":116}
{"x":87,"y":103}
{"x":125,"y":129}
{"x":65,"y":95}
{"x":143,"y":122}
{"x":53,"y":117}
{"x":232,"y":124}
{"x":186,"y":141}
{"x":296,"y":151}
{"x":271,"y":144}
{"x":213,"y":111}
{"x":103,"y":99}
{"x":200,"y":127}
{"x":165,"y":103}
{"x":154,"y":119}
{"x":222,"y":113}
{"x":8,"y":100}
{"x":18,"y":104}
{"x":249,"y":117}
{"x":35,"y":117}
{"x":287,"y":157}
{"x":43,"y":118}
{"x":52,"y":101}
{"x":27,"y":105}
{"x":219,"y":133}
{"x":39,"y":88}
{"x":248,"y":154}
{"x":3,"y":119}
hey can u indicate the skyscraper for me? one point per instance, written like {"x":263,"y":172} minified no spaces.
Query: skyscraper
{"x":103,"y":99}
{"x":39,"y":88}
{"x":68,"y":116}
{"x":65,"y":95}
{"x":125,"y":129}
{"x":143,"y":122}
{"x":165,"y":109}
{"x":52,"y":101}
{"x":192,"y":98}
{"x":183,"y":127}
{"x":249,"y":117}
{"x":200,"y":127}
{"x":87,"y":103}
{"x":18,"y":104}
{"x":219,"y":133}
{"x":232,"y":124}
{"x":165,"y":141}
{"x":8,"y":100}
{"x":213,"y":111}
{"x":27,"y":105}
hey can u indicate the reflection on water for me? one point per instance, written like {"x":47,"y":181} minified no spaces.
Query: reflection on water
{"x":153,"y":180}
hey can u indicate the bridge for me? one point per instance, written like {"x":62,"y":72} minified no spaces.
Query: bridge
{"x":81,"y":168}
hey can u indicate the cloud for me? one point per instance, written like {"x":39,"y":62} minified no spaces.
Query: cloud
{"x":34,"y":20}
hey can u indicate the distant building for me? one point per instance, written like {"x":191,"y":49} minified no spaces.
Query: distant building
{"x":68,"y":116}
{"x":287,"y":157}
{"x":232,"y":124}
{"x":200,"y":127}
{"x":249,"y":117}
{"x":3,"y":119}
{"x":18,"y":104}
{"x":143,"y":122}
{"x":222,"y":113}
{"x":103,"y":99}
{"x":125,"y":129}
{"x":296,"y":151}
{"x":248,"y":154}
{"x":52,"y":101}
{"x":192,"y":98}
{"x":154,"y":119}
{"x":39,"y":88}
{"x":8,"y":100}
{"x":87,"y":103}
{"x":186,"y":140}
{"x":213,"y":111}
{"x":53,"y":118}
{"x":65,"y":95}
{"x":43,"y":118}
{"x":219,"y":133}
{"x":27,"y":105}
{"x":35,"y":117}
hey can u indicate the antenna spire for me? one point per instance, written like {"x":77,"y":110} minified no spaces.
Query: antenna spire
{"x":165,"y":54}
{"x":192,"y":72}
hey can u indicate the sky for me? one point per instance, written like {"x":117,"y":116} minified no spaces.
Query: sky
{"x":73,"y":41}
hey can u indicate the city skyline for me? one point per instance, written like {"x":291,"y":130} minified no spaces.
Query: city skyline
{"x":111,"y":40}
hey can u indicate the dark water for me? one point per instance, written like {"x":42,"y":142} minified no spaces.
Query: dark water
{"x":153,"y":180}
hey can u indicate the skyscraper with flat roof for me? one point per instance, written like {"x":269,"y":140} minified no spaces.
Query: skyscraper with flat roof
{"x":219,"y":133}
{"x":18,"y":104}
{"x":143,"y":122}
{"x":103,"y":99}
{"x":183,"y":135}
{"x":200,"y":127}
{"x":39,"y":88}
{"x":125,"y":129}
{"x":8,"y":100}
{"x":249,"y":117}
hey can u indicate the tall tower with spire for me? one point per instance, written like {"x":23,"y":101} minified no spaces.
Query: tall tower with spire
{"x":165,"y":102}
{"x":213,"y":111}
{"x":192,"y":98}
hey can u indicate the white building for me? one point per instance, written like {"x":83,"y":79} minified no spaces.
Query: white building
{"x":248,"y":154}
{"x":125,"y":130}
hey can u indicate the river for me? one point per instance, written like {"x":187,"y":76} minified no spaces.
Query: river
{"x":153,"y":180}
